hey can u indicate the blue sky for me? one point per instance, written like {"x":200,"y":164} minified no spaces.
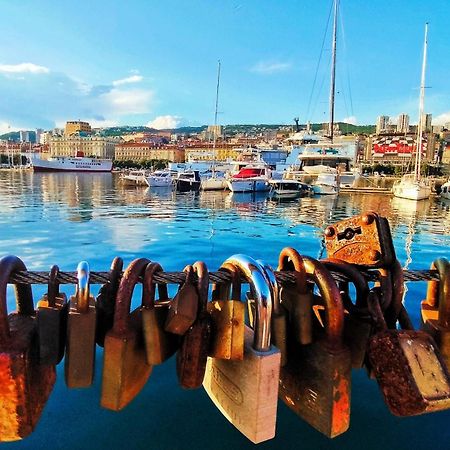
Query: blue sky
{"x":155,"y":62}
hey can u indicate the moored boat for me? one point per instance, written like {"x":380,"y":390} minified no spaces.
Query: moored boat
{"x":288,"y":188}
{"x":251,"y":178}
{"x":134,"y":178}
{"x":188,"y":181}
{"x":326,"y":184}
{"x":71,"y":164}
{"x":159,"y":178}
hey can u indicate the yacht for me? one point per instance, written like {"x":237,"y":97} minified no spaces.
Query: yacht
{"x":134,"y":178}
{"x":188,"y":181}
{"x":159,"y":178}
{"x":286,"y":189}
{"x":251,"y":178}
{"x":326,"y":184}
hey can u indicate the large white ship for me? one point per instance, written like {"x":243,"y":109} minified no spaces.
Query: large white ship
{"x":71,"y":164}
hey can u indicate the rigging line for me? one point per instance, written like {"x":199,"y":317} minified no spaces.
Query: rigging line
{"x":318,"y":94}
{"x":344,"y":45}
{"x":318,"y":64}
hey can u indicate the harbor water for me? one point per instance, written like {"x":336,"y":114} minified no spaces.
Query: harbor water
{"x":62,"y":219}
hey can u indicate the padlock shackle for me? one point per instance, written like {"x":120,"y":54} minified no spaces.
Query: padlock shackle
{"x":129,"y":280}
{"x":115,"y":272}
{"x":23,"y":292}
{"x":149,"y":286}
{"x":252,"y":272}
{"x":438,"y":292}
{"x":398,"y":289}
{"x":82,"y":292}
{"x":53,"y":286}
{"x":334,"y":308}
{"x":274,"y":288}
{"x":290,"y":259}
{"x":202,"y":284}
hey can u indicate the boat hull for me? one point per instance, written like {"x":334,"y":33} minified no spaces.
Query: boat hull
{"x":250,"y":185}
{"x":213,"y":184}
{"x":411,"y":190}
{"x":72,"y":165}
{"x":188,"y":185}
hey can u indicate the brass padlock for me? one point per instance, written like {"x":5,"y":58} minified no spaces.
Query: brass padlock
{"x":246,"y":391}
{"x":316,"y":381}
{"x":51,"y":316}
{"x":106,"y":301}
{"x":193,"y":352}
{"x":80,"y":345}
{"x":279,"y":314}
{"x":297,"y":298}
{"x":125,"y":368}
{"x":364,"y":240}
{"x":227,"y":313}
{"x":409,"y":370}
{"x":183,"y":308}
{"x":435,"y":310}
{"x":160,"y":345}
{"x":25,"y":384}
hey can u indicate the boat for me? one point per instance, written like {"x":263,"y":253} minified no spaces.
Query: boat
{"x":134,"y":178}
{"x":412,"y":186}
{"x":159,"y":178}
{"x":188,"y":181}
{"x":71,"y":164}
{"x":326,"y":184}
{"x":251,"y":178}
{"x":445,"y":190}
{"x":287,"y":189}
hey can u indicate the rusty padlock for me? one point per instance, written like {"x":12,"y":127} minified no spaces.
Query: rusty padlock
{"x":227,"y":313}
{"x":297,"y":298}
{"x":316,"y":381}
{"x":364,"y":240}
{"x":25,"y":384}
{"x":435,"y":310}
{"x":193,"y":352}
{"x":79,"y":362}
{"x":106,"y":301}
{"x":51,"y":316}
{"x":409,"y":369}
{"x":246,"y":391}
{"x":125,"y":368}
{"x":160,"y":345}
{"x":183,"y":308}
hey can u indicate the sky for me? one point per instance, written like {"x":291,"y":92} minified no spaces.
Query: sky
{"x":153,"y":62}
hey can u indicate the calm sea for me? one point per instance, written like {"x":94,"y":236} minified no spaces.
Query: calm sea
{"x":62,"y":219}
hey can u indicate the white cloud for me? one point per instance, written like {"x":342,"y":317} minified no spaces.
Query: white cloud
{"x":128,"y":80}
{"x":268,"y":68}
{"x":6,"y":128}
{"x":23,"y":68}
{"x":442,"y":119}
{"x":165,"y":122}
{"x":352,"y":120}
{"x":122,"y":102}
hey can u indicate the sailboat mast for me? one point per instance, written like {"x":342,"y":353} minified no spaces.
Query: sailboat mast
{"x":217,"y":104}
{"x":333,"y":71}
{"x":421,"y":109}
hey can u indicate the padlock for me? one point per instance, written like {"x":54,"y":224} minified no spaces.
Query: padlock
{"x":79,"y":362}
{"x":246,"y":391}
{"x":357,"y":320}
{"x":409,"y":369}
{"x":316,"y":381}
{"x":279,"y":314}
{"x":160,"y":345}
{"x":125,"y":368}
{"x":227,"y":313}
{"x":25,"y":384}
{"x":297,"y":298}
{"x":193,"y":352}
{"x":435,"y":310}
{"x":183,"y":308}
{"x":364,"y":240}
{"x":51,"y":316}
{"x":106,"y":301}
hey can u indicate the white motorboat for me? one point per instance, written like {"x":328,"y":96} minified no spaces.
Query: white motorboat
{"x":251,"y":178}
{"x":159,"y":178}
{"x":71,"y":164}
{"x":326,"y":184}
{"x":134,"y":178}
{"x":288,"y":188}
{"x":213,"y":182}
{"x":412,"y":186}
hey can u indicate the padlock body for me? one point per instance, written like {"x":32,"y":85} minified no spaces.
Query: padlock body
{"x":227,"y":329}
{"x":125,"y":368}
{"x":182,"y":311}
{"x":410,"y":372}
{"x":52,"y":327}
{"x":316,"y":385}
{"x":25,"y":385}
{"x":160,"y":345}
{"x":246,"y":391}
{"x":357,"y":332}
{"x":80,"y":345}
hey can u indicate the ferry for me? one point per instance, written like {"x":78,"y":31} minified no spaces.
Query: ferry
{"x":71,"y":164}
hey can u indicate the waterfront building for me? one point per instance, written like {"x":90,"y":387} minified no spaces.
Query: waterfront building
{"x":147,"y":151}
{"x":426,"y":123}
{"x":77,"y":126}
{"x":39,"y":132}
{"x":89,"y":146}
{"x":24,"y":136}
{"x":382,"y":124}
{"x":403,"y":123}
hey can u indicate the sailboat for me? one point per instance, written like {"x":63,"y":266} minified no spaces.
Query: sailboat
{"x":214,"y":182}
{"x":412,"y":186}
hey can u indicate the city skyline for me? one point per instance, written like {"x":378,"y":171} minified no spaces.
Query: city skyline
{"x":145,"y":63}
